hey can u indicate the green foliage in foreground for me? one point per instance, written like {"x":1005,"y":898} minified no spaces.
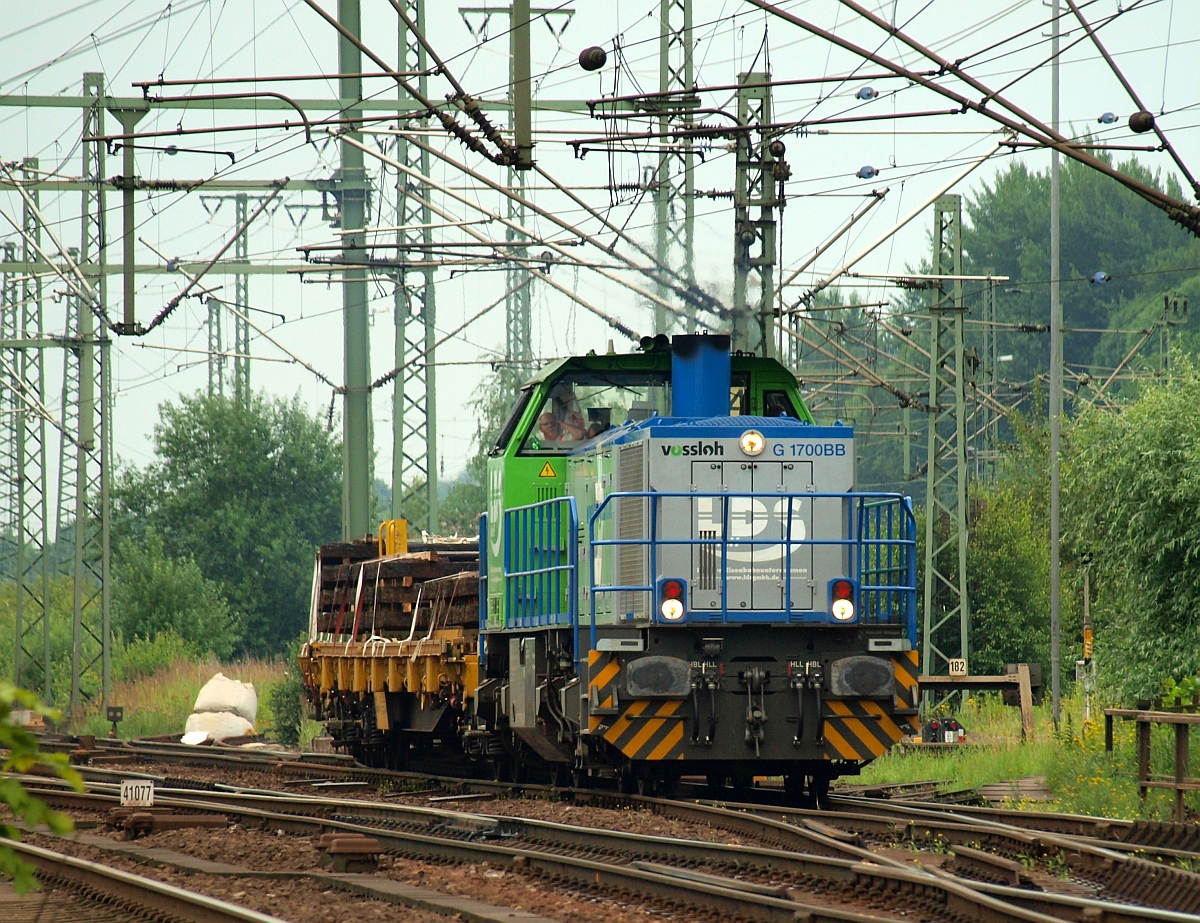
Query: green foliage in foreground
{"x":286,"y":701}
{"x":23,"y":756}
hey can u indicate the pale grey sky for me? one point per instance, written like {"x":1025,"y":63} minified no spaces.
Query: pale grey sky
{"x":46,"y":47}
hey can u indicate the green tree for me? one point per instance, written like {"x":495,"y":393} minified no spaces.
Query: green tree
{"x":1008,"y":579}
{"x":1105,"y":228}
{"x":154,"y":593}
{"x":467,"y":498}
{"x":246,"y":492}
{"x":1131,"y":481}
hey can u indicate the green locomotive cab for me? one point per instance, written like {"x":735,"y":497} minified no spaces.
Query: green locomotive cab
{"x":574,"y":401}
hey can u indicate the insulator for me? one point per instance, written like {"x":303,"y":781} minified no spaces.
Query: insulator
{"x":593,"y":58}
{"x":1141,"y":122}
{"x":1107,"y":119}
{"x":866,"y":172}
{"x":1101,"y":277}
{"x":867,"y":93}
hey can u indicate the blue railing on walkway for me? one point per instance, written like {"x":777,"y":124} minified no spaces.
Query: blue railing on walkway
{"x":880,"y":536}
{"x":541,"y":557}
{"x":541,"y":567}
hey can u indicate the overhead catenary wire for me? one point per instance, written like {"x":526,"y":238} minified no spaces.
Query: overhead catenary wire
{"x":508,"y":153}
{"x":862,"y":254}
{"x":388,"y":377}
{"x":244,"y":317}
{"x":507,"y":191}
{"x":1021,"y":121}
{"x":1133,"y":95}
{"x":545,"y":277}
{"x":515,"y":226}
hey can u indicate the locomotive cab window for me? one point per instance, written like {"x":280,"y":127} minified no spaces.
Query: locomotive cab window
{"x":510,"y":425}
{"x":739,"y":395}
{"x":580,"y":406}
{"x":779,"y":404}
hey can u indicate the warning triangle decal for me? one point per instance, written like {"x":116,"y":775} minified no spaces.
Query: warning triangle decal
{"x":547,"y":471}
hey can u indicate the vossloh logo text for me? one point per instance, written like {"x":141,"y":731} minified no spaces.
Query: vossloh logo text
{"x":695,"y":448}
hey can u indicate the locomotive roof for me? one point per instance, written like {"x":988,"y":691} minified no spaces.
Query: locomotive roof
{"x":654,"y":361}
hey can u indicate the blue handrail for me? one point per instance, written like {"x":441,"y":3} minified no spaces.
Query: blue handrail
{"x":541,"y":566}
{"x":880,"y":538}
{"x":541,"y":556}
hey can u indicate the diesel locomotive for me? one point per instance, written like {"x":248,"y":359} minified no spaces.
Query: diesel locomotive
{"x":674,"y":576}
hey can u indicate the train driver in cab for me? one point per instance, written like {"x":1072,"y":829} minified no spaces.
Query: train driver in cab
{"x":555,"y":430}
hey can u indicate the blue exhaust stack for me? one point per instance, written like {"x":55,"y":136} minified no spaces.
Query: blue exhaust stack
{"x":700,"y":375}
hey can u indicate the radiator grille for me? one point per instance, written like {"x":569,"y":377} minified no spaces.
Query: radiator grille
{"x":706,"y":571}
{"x":631,"y":523}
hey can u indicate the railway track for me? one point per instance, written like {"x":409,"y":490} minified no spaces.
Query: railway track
{"x":669,"y":871}
{"x":993,"y":849}
{"x":981,"y":845}
{"x":81,"y":891}
{"x":809,"y":861}
{"x":1172,"y":842}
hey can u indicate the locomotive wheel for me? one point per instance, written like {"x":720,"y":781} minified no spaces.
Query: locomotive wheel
{"x":818,"y":790}
{"x":795,"y":784}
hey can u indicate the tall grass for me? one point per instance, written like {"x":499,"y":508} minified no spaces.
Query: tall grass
{"x":1082,"y":777}
{"x":161,"y":702}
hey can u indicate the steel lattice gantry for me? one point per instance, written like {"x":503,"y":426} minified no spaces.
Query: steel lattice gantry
{"x":218,"y":349}
{"x":756,"y":190}
{"x":86,"y":447}
{"x":23,"y":449}
{"x":946,"y":612}
{"x":414,"y":409}
{"x":674,"y":183}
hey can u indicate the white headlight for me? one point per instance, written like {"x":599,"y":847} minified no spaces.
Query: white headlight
{"x":842,"y":609}
{"x":752,"y":442}
{"x":672,"y":610}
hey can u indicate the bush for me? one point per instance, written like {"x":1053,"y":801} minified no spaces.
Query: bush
{"x":154,"y":593}
{"x":284,"y":700}
{"x":141,"y":658}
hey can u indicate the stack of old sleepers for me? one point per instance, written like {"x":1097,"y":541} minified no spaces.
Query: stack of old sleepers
{"x":362,"y":593}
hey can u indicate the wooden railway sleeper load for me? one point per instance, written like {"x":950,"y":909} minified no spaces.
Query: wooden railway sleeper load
{"x":394,"y":644}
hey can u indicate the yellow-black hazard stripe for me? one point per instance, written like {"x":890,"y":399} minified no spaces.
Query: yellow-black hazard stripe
{"x":859,"y":729}
{"x":649,"y":731}
{"x":603,"y":672}
{"x":905,"y":669}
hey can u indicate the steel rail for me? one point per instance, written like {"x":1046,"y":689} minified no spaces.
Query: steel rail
{"x":457,"y":836}
{"x":1176,"y":840}
{"x":112,"y":885}
{"x":1129,"y":876}
{"x":1161,"y":837}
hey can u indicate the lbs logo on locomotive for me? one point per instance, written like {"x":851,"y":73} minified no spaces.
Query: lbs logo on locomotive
{"x":695,"y":448}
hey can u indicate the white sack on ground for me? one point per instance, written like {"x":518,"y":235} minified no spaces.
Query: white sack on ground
{"x":222,"y":694}
{"x":219,"y":724}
